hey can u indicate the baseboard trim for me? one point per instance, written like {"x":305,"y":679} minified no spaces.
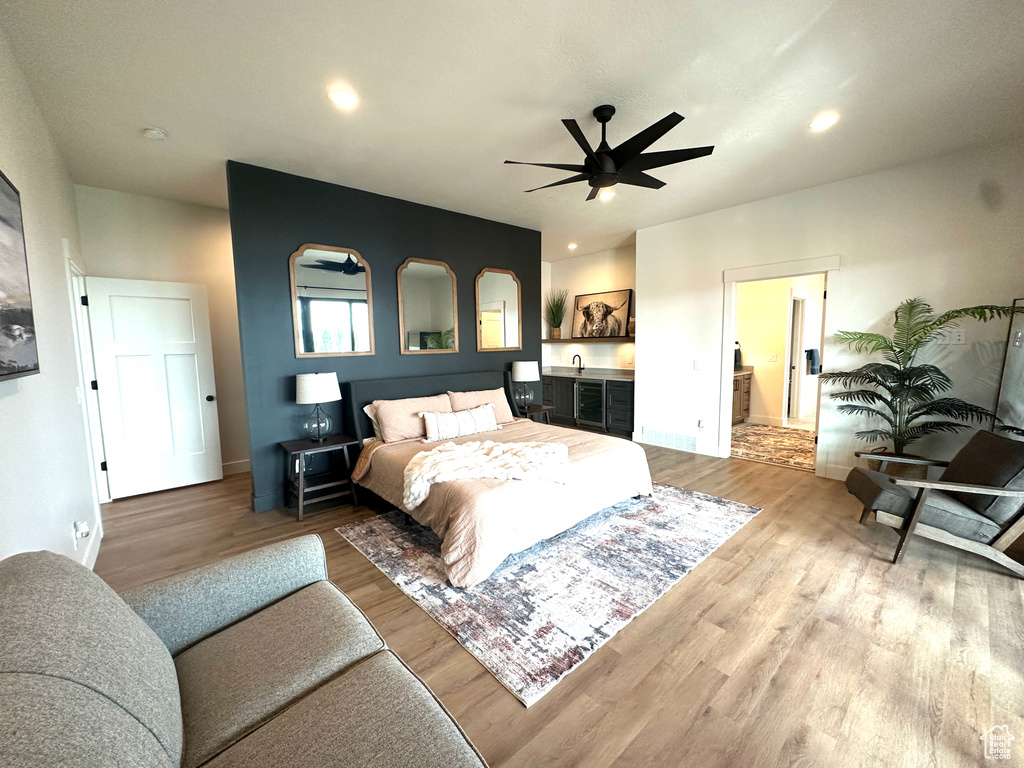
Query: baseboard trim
{"x":836,"y":472}
{"x":236,"y":467}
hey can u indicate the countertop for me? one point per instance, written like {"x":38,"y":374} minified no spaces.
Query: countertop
{"x":746,"y":370}
{"x":608,"y":374}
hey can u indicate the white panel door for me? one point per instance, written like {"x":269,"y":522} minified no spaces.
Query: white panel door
{"x":154,"y":368}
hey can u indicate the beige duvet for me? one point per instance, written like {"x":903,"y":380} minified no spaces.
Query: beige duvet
{"x":481,"y":522}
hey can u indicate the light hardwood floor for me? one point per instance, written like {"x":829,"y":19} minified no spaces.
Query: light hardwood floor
{"x":796,"y":643}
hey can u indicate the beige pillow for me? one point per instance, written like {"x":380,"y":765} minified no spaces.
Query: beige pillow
{"x":400,"y":419}
{"x":463,"y":401}
{"x":448,"y":426}
{"x":371,"y":411}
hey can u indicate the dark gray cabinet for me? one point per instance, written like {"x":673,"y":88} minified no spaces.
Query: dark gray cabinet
{"x":596,"y":404}
{"x":619,"y":410}
{"x":563,"y":398}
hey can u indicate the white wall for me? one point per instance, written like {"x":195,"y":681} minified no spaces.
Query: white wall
{"x":762,"y":313}
{"x":592,"y":273}
{"x":948,"y":229}
{"x":148,"y":238}
{"x":45,"y":480}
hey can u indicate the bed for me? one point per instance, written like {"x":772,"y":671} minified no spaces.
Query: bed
{"x":483,"y":521}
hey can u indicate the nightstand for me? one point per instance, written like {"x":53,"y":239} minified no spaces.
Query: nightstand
{"x":544,"y":411}
{"x":299,"y":484}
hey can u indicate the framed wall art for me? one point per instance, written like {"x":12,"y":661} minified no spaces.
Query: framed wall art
{"x":597,"y":315}
{"x":18,"y":353}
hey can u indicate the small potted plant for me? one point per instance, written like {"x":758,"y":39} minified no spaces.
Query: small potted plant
{"x":554,"y":311}
{"x":901,"y":392}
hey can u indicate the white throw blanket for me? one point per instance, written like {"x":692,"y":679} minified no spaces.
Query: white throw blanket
{"x":487,"y":459}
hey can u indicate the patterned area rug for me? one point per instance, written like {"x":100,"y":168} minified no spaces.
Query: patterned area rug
{"x":774,"y":445}
{"x":548,"y":608}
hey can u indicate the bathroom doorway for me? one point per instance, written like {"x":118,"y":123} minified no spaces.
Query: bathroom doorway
{"x":779,"y":326}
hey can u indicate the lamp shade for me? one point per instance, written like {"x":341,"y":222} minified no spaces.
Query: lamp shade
{"x":316,"y":388}
{"x":525,"y":370}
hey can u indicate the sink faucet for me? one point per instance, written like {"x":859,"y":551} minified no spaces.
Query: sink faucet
{"x":579,"y":368}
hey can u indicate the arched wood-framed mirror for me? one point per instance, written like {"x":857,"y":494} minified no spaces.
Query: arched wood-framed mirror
{"x":332,"y":302}
{"x":499,"y":315}
{"x":428,"y":307}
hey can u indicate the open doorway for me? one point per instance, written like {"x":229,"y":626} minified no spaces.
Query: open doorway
{"x":778,"y":329}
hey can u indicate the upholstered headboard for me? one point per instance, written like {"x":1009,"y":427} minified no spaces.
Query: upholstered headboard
{"x":357,"y":394}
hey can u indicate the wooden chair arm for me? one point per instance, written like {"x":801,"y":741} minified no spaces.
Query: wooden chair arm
{"x":938,"y":485}
{"x":901,"y":459}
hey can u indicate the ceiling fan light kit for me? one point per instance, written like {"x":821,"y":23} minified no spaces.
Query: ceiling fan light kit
{"x":625,"y":164}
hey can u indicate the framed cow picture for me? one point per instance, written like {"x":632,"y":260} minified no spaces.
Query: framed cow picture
{"x":18,"y":355}
{"x":597,"y":315}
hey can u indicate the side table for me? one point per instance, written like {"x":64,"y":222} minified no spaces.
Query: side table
{"x":544,"y":411}
{"x":299,"y":484}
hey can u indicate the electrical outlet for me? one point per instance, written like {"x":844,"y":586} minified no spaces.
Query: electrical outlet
{"x":773,"y":357}
{"x":953,"y":336}
{"x":697,"y":366}
{"x":80,"y":530}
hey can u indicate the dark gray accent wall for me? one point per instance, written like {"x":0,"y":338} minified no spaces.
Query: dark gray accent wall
{"x":272,"y":214}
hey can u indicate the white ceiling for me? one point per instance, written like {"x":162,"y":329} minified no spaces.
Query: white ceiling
{"x":451,"y":89}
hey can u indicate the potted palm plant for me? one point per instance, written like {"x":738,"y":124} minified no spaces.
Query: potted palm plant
{"x":906,"y":395}
{"x":554,"y":310}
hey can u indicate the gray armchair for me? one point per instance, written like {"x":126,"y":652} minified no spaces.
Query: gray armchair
{"x":977,"y":504}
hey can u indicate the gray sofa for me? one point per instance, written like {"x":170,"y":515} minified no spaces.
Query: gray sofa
{"x":257,"y":660}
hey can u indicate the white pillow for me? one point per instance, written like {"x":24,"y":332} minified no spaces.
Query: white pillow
{"x":371,"y":410}
{"x":447,"y":426}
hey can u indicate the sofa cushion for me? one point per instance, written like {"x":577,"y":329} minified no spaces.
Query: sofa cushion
{"x":993,"y":460}
{"x":940,"y":511}
{"x":378,"y":714}
{"x":60,"y":620}
{"x":47,"y":721}
{"x":234,"y":681}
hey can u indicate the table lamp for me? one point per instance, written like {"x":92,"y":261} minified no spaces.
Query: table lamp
{"x":316,"y":388}
{"x":523,"y":371}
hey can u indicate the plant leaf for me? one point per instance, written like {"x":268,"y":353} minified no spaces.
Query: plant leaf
{"x":863,"y":410}
{"x":951,"y":407}
{"x":861,"y":341}
{"x":874,"y":435}
{"x":912,"y":434}
{"x":860,"y":396}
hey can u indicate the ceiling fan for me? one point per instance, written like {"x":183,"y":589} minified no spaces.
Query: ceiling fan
{"x":348,"y":267}
{"x":625,"y":164}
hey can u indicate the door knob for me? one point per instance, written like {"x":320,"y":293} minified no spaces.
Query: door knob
{"x":210,"y":398}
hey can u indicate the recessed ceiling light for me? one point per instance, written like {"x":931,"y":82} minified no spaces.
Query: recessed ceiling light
{"x":343,"y":97}
{"x":824,"y":121}
{"x":606,"y":194}
{"x":155,"y":134}
{"x":572,"y":246}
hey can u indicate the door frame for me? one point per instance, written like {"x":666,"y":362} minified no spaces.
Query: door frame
{"x":75,"y":275}
{"x":829,"y":265}
{"x":791,"y":390}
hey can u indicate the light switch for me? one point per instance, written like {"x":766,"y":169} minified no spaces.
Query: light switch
{"x":773,"y":357}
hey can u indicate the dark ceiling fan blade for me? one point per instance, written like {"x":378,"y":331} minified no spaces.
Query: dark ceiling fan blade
{"x":593,"y":193}
{"x":570,"y":180}
{"x":639,"y":179}
{"x":348,"y":267}
{"x":574,"y":128}
{"x":658,"y":159}
{"x":630,"y":148}
{"x":559,"y":166}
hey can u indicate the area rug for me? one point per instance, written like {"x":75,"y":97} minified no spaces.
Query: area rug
{"x":774,"y":445}
{"x":546,"y":609}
